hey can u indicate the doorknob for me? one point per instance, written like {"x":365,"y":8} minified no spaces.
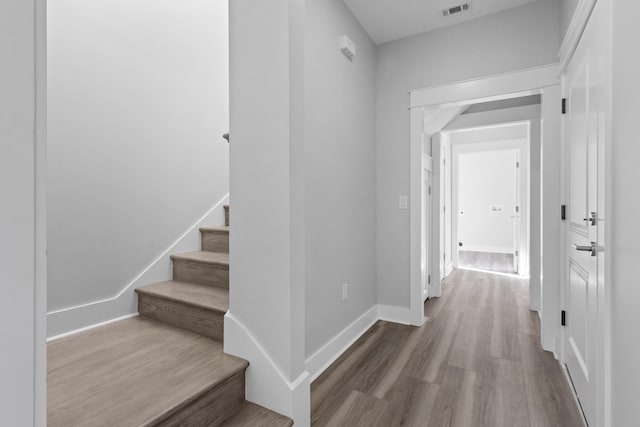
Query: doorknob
{"x":593,"y":219}
{"x":591,"y":248}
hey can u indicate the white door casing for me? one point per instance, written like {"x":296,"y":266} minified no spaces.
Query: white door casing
{"x":426,"y":226}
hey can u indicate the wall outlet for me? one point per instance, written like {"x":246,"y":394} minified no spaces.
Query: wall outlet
{"x":403,"y":202}
{"x":345,"y":291}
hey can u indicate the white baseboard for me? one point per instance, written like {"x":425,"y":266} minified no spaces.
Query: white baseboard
{"x":266,"y":385}
{"x":390,"y":313}
{"x":319,"y":361}
{"x":488,"y":249}
{"x":69,"y":320}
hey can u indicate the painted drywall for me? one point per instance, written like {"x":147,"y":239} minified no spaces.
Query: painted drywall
{"x":486,"y":179}
{"x":567,"y":8}
{"x":340,"y":172}
{"x":267,"y":196}
{"x":518,"y":38}
{"x":22,"y":222}
{"x":138,"y":101}
{"x":623,"y":226}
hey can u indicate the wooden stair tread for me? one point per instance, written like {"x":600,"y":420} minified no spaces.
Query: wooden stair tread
{"x":217,"y":259}
{"x":203,"y":296}
{"x":218,"y":229}
{"x":134,"y":372}
{"x":254,"y":415}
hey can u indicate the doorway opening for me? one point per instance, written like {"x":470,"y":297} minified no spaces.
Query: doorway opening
{"x":490,"y":197}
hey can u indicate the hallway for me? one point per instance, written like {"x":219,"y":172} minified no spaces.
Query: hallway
{"x":476,"y":361}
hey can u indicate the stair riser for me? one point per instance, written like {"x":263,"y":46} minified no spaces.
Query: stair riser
{"x":215,"y":241}
{"x":204,"y":322}
{"x":200,"y":273}
{"x":211,"y":409}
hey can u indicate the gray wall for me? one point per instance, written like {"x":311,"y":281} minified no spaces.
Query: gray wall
{"x":518,"y":38}
{"x":566,"y":13}
{"x":22,"y":358}
{"x":138,"y":100}
{"x":623,"y":227}
{"x":340,"y":172}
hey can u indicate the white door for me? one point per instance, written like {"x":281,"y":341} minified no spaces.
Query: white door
{"x":426,"y":239}
{"x":581,"y":139}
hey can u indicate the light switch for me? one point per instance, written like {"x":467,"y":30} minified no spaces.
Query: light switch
{"x":403,"y":202}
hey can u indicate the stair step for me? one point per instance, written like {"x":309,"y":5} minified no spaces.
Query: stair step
{"x":144,"y":373}
{"x":215,"y":239}
{"x":254,"y":415}
{"x":202,"y":267}
{"x":198,"y":308}
{"x":226,"y":215}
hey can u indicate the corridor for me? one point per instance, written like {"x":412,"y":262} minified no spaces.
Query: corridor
{"x":476,"y":361}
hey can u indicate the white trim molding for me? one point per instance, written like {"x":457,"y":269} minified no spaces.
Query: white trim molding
{"x":499,"y":86}
{"x":574,"y":32}
{"x":508,"y":85}
{"x":266,"y":384}
{"x":124,"y":304}
{"x":319,"y":361}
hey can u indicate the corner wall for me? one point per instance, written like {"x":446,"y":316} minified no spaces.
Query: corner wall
{"x":518,"y":38}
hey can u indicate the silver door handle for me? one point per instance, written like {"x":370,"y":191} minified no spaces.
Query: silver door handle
{"x":591,"y":248}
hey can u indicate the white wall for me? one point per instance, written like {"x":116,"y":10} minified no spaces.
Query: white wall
{"x":340,"y":172}
{"x":518,"y":38}
{"x":138,"y":101}
{"x":266,"y":318}
{"x":22,"y":225}
{"x":623,"y":226}
{"x":486,"y":178}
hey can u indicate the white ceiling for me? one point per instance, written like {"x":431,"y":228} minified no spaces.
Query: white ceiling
{"x":387,"y":20}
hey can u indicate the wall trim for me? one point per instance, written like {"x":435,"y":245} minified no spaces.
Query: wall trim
{"x":574,"y":32}
{"x":395,"y":314}
{"x":511,"y":84}
{"x":266,"y":384}
{"x":88,"y":328}
{"x":81,"y":317}
{"x":319,"y":361}
{"x":488,"y":249}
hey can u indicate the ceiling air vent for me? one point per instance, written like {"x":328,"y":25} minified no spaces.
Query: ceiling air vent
{"x":464,"y":7}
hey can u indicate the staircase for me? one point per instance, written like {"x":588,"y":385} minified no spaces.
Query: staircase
{"x":165,"y":367}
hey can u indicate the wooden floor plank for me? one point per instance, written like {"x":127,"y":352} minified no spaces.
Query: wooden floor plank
{"x":476,"y":361}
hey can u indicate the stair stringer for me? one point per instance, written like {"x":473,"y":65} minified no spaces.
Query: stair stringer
{"x":266,"y":385}
{"x":125,"y":303}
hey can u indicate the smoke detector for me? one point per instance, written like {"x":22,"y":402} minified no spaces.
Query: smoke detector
{"x":464,"y":7}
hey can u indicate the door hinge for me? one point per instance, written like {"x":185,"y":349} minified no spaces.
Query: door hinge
{"x":517,"y":208}
{"x":563,"y":318}
{"x":444,"y":161}
{"x":429,"y":190}
{"x":564,"y":105}
{"x":563,"y":212}
{"x":516,"y":253}
{"x":429,"y":278}
{"x":517,"y":164}
{"x":444,"y":209}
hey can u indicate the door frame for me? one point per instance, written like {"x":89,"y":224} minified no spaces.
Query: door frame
{"x":427,"y":167}
{"x":501,"y":86}
{"x":522,"y":149}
